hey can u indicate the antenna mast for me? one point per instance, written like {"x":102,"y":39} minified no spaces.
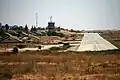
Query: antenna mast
{"x":36,"y":19}
{"x":50,"y":18}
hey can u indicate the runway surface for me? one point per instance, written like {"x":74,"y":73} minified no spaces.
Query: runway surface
{"x":94,"y":42}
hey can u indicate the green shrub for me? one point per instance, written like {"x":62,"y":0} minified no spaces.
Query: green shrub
{"x":39,"y":47}
{"x":13,"y":33}
{"x":60,"y":42}
{"x":55,"y":34}
{"x":21,"y":46}
{"x":6,"y":74}
{"x":66,"y":45}
{"x":54,"y":48}
{"x":15,"y":50}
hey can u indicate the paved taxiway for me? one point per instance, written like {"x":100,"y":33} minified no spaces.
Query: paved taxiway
{"x":94,"y":42}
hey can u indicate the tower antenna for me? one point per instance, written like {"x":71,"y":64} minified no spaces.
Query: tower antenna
{"x":36,"y":19}
{"x":50,"y":18}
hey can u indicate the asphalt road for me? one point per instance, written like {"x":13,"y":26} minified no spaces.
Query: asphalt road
{"x":94,"y":42}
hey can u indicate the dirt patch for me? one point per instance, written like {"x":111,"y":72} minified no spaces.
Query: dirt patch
{"x":113,"y":37}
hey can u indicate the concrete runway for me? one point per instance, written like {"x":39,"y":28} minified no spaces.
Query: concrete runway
{"x":94,"y":42}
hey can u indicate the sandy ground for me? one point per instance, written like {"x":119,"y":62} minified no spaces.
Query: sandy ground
{"x":44,"y":47}
{"x":94,"y":42}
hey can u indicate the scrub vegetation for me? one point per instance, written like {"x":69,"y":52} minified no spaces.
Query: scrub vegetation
{"x":47,"y":65}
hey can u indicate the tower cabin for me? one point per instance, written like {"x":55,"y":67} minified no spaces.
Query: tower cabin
{"x":51,"y":25}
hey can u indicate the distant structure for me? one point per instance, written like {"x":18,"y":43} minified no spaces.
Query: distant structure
{"x":36,"y":19}
{"x":51,"y":25}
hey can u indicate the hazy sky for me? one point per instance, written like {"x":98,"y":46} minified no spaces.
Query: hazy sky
{"x":76,"y":14}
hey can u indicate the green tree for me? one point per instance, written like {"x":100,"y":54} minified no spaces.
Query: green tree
{"x":15,"y":27}
{"x":71,"y":30}
{"x":21,"y":28}
{"x":32,"y":30}
{"x":0,"y":25}
{"x":58,"y":28}
{"x":2,"y":32}
{"x":7,"y":27}
{"x":26,"y":28}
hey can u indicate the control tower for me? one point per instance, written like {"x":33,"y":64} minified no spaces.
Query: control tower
{"x":51,"y":25}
